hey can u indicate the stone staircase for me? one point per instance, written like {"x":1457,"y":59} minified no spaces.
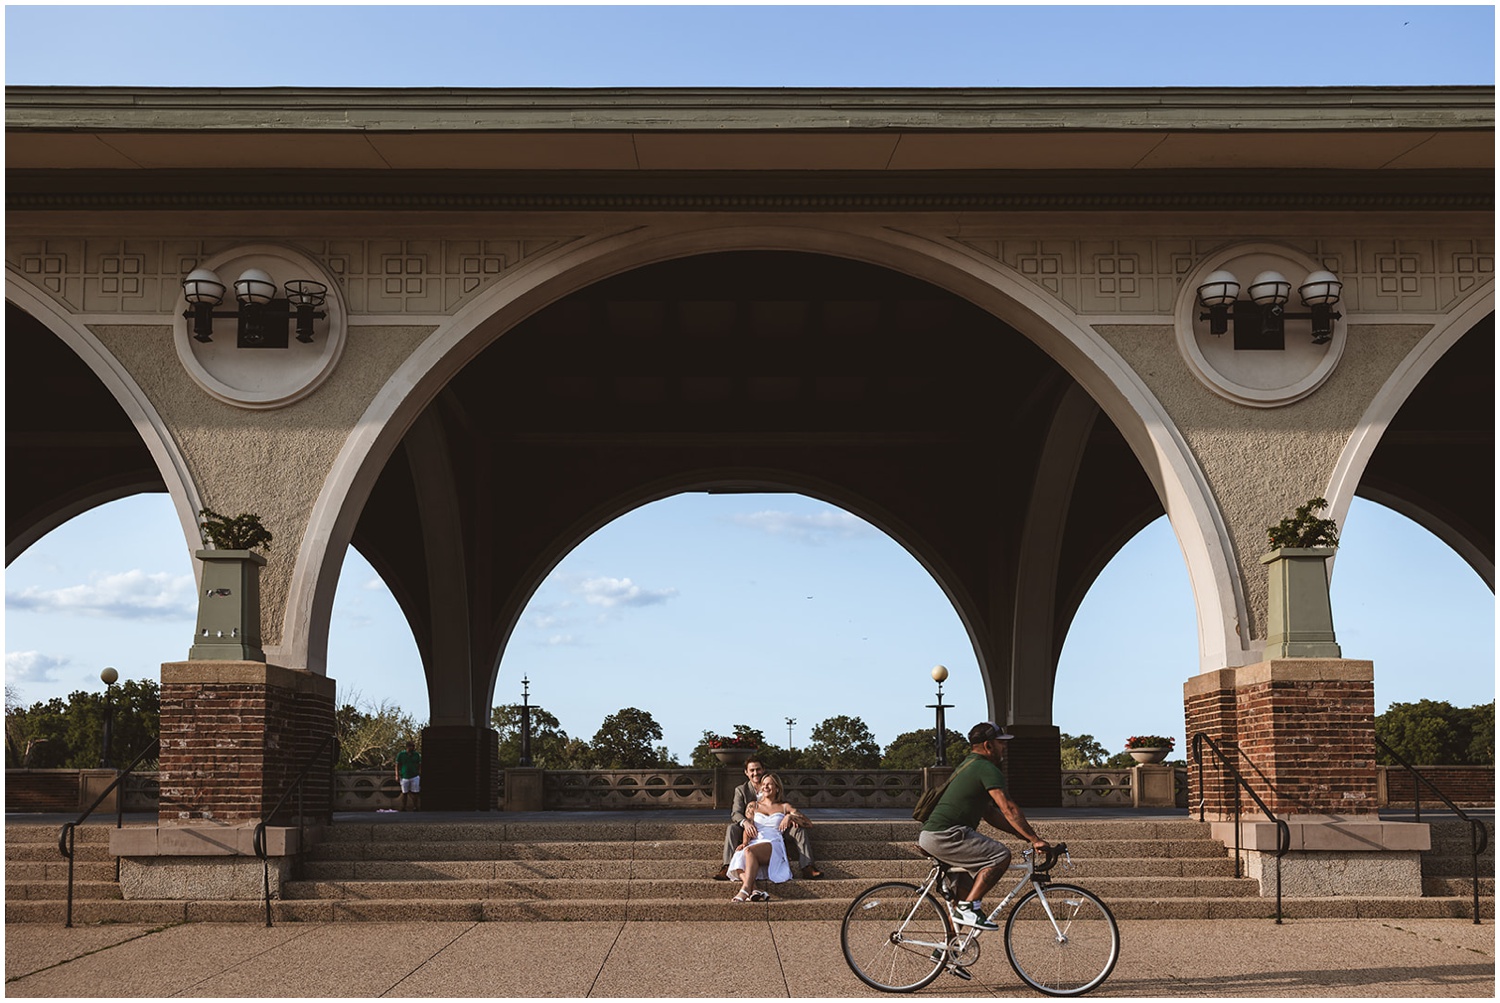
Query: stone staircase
{"x":601,"y":869}
{"x":1447,"y":869}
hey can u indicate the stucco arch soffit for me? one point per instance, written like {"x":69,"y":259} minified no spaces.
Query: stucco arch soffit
{"x":747,"y":479}
{"x":1350,"y":469}
{"x":1037,"y":310}
{"x":131,"y":398}
{"x":578,"y":263}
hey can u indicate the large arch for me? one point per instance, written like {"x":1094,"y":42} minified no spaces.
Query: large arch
{"x":1411,"y":449}
{"x":1158,"y":448}
{"x":79,"y":430}
{"x":776,"y":370}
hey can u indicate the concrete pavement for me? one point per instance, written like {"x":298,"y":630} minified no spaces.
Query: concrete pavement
{"x":1159,"y":958}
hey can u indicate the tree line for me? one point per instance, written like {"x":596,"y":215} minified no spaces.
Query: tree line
{"x":68,"y":733}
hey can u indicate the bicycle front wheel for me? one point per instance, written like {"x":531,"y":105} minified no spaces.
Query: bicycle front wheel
{"x":895,"y":937}
{"x":1062,"y":940}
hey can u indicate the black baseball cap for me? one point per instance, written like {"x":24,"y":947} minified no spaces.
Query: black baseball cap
{"x":988,"y":731}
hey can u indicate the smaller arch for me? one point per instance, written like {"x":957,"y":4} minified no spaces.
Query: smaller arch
{"x":127,"y":393}
{"x":1354,"y":460}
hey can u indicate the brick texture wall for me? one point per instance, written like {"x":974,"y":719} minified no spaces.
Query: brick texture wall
{"x":234,"y":735}
{"x":1300,"y":731}
{"x":1463,"y":785}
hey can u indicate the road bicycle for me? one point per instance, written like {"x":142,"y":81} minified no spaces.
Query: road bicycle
{"x":1061,"y":939}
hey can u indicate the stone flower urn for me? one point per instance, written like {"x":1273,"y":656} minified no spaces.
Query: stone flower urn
{"x":733,"y":757}
{"x":1154,"y":754}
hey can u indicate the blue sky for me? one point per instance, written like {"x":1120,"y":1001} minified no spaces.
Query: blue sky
{"x":697,"y":608}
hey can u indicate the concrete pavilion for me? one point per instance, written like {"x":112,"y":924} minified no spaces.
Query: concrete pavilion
{"x":968,"y":316}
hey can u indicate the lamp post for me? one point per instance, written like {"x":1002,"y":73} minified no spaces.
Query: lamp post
{"x":789,"y":722}
{"x":525,"y":721}
{"x":109,"y":676}
{"x":940,"y":673}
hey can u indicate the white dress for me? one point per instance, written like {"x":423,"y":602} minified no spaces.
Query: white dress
{"x":766,"y":831}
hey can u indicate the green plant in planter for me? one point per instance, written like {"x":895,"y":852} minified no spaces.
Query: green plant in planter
{"x":241,"y":532}
{"x":1304,"y":529}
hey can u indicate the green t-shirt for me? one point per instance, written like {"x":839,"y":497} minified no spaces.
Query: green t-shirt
{"x":968,"y":793}
{"x":408,"y":764}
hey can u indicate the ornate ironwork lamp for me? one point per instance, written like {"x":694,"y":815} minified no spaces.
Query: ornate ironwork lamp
{"x":263,"y":317}
{"x":1260,"y":321}
{"x":109,"y":676}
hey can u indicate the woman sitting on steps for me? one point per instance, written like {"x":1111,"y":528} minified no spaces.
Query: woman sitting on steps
{"x":763,"y":848}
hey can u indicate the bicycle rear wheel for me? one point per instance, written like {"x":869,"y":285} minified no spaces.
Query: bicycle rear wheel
{"x":895,"y":938}
{"x":1068,"y":952}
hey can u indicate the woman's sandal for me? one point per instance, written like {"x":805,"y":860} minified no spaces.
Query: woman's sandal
{"x":743,"y":896}
{"x":759,"y":896}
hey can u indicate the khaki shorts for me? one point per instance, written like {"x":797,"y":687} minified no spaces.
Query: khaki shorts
{"x":965,"y":849}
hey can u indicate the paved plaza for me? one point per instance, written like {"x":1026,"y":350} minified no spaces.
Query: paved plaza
{"x":1164,"y":958}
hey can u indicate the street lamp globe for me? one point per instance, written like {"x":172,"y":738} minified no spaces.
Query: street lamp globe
{"x":940,"y":673}
{"x":109,"y":676}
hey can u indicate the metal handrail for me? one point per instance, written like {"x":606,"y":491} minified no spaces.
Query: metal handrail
{"x":66,"y":837}
{"x":1479,"y":836}
{"x":296,"y":787}
{"x":1283,"y":831}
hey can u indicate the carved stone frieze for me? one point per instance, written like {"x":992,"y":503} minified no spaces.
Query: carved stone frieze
{"x":1123,"y":277}
{"x":129,"y":276}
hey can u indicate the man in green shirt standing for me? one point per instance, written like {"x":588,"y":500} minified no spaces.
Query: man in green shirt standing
{"x":409,"y":772}
{"x":977,"y":791}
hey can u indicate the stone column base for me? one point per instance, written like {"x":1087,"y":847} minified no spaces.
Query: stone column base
{"x":524,"y":789}
{"x":1333,"y":857}
{"x":1153,"y":786}
{"x":211,"y":862}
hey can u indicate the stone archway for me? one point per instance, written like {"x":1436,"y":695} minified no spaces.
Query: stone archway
{"x":876,"y":391}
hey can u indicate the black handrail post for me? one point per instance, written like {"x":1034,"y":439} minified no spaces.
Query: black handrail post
{"x":1283,"y":831}
{"x":296,"y":786}
{"x":66,"y":840}
{"x":1478,"y":834}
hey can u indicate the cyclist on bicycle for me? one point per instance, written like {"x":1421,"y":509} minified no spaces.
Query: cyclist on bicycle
{"x":977,"y":790}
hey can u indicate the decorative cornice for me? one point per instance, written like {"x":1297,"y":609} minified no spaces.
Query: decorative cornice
{"x":964,"y":202}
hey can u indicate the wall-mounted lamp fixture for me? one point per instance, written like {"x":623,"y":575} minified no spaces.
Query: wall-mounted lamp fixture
{"x":263,"y":318}
{"x":1259,"y":322}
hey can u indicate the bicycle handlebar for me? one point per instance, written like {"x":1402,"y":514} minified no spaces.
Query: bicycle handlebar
{"x":1055,"y":852}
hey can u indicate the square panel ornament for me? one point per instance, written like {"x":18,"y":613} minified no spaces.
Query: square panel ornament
{"x":1260,"y":324}
{"x":260,"y":326}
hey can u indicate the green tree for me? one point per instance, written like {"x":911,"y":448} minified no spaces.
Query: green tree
{"x":1436,"y":733}
{"x":1082,"y":752}
{"x":70,"y":734}
{"x":842,"y":743}
{"x":624,"y":741}
{"x":370,"y":737}
{"x":549,"y":742}
{"x":915,"y":749}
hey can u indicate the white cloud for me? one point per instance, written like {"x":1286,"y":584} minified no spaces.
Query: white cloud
{"x":613,"y":592}
{"x":31,"y":666}
{"x":816,"y":529}
{"x":376,"y":584}
{"x":561,"y":640}
{"x":129,"y":595}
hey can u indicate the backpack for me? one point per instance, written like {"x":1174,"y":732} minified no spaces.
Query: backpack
{"x":928,"y":802}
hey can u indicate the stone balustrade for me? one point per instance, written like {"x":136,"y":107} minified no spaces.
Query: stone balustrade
{"x":369,"y":790}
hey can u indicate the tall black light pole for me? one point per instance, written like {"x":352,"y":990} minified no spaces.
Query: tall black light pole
{"x":789,"y":722}
{"x":525,"y":721}
{"x":940,"y":673}
{"x":109,"y":676}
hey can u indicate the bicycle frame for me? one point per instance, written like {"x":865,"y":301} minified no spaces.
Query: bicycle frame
{"x":1031,"y":877}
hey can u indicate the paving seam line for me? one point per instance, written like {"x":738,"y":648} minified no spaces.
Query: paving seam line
{"x":435,"y":954}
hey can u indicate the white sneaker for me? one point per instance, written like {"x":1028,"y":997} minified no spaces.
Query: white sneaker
{"x":971,"y":914}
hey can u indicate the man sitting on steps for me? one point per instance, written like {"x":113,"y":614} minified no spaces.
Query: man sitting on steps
{"x":745,"y":794}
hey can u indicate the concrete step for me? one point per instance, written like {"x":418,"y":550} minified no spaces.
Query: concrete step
{"x":1442,"y":886}
{"x":1082,"y":850}
{"x":635,"y":889}
{"x":48,"y":851}
{"x":57,"y":891}
{"x":478,"y":910}
{"x":57,"y":870}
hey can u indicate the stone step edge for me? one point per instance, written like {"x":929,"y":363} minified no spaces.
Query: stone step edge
{"x":672,"y":910}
